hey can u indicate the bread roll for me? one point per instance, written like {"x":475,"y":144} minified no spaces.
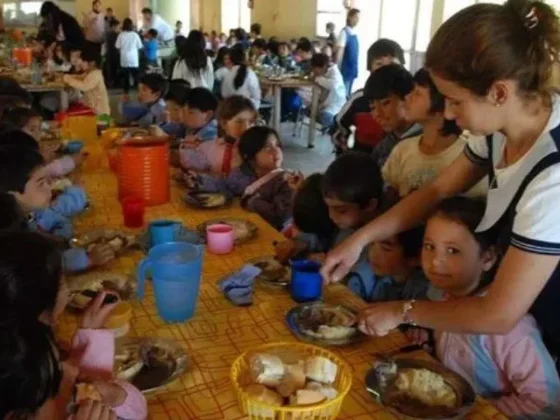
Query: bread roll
{"x":329,"y":392}
{"x":293,"y":379}
{"x":320,"y":369}
{"x":304,"y":397}
{"x":263,"y":394}
{"x":267,"y":369}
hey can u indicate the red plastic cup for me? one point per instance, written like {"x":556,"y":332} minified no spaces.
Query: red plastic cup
{"x":133,"y":212}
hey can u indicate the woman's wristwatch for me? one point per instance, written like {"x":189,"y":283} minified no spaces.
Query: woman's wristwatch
{"x":407,"y":307}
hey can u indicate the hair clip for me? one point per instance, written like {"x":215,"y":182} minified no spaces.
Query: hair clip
{"x":531,"y":18}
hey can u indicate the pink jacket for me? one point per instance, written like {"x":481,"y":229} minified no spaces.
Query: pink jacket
{"x":209,"y":157}
{"x":93,"y":351}
{"x":513,"y":370}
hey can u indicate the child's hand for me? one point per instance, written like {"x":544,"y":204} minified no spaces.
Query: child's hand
{"x":295,"y":180}
{"x":112,"y":394}
{"x":417,"y":335}
{"x":286,"y":250}
{"x":94,"y":410}
{"x":101,"y":255}
{"x":97,"y":313}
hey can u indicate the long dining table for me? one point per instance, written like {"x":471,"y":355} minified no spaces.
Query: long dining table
{"x":219,"y":332}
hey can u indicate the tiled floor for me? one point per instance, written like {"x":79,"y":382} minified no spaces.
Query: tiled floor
{"x":296,"y":154}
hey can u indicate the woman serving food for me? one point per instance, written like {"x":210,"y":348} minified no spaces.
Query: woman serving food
{"x":495,"y":80}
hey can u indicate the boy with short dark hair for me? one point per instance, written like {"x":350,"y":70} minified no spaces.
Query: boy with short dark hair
{"x":284,"y":58}
{"x":259,"y":53}
{"x":397,"y":269}
{"x":386,"y":90}
{"x":357,"y":112}
{"x":23,"y":175}
{"x":304,"y":53}
{"x":151,"y":46}
{"x":150,"y":109}
{"x":199,"y":116}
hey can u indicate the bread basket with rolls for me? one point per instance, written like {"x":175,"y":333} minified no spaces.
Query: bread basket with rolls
{"x":290,"y":381}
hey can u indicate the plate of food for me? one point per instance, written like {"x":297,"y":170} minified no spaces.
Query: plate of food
{"x":324,"y":324}
{"x":84,"y":287}
{"x":149,"y":363}
{"x":203,"y":200}
{"x":119,"y":241}
{"x":420,"y":389}
{"x":243,"y":230}
{"x":273,"y":273}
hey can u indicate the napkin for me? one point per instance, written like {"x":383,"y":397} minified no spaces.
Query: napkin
{"x":238,"y":287}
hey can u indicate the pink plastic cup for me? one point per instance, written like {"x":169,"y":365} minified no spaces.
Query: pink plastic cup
{"x":219,"y":239}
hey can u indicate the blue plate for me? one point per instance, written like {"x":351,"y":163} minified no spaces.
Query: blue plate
{"x":295,"y":316}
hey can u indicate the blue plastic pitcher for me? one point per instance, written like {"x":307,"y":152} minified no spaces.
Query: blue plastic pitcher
{"x":175,"y":268}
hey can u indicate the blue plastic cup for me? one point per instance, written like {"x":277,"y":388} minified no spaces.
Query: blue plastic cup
{"x":175,"y":269}
{"x":74,"y":146}
{"x":163,"y":231}
{"x":307,"y":283}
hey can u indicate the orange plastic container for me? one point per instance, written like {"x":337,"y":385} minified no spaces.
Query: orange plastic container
{"x":143,"y":172}
{"x":24,"y":56}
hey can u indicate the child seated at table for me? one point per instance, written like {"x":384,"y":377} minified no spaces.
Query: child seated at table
{"x":38,"y":295}
{"x":29,"y":121}
{"x":328,"y":76}
{"x":386,"y":89}
{"x":23,"y":175}
{"x":264,"y":187}
{"x":175,"y":101}
{"x":417,"y":161}
{"x":356,"y":113}
{"x":397,"y":274}
{"x":199,"y":116}
{"x":513,"y":370}
{"x":312,"y":232}
{"x":220,"y":156}
{"x":91,"y":82}
{"x":352,"y":190}
{"x":259,"y":53}
{"x":150,"y":108}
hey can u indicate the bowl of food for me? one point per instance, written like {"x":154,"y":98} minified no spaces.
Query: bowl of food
{"x":290,"y":381}
{"x":420,"y":389}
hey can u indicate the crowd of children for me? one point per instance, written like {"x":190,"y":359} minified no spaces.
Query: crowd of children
{"x":402,"y":142}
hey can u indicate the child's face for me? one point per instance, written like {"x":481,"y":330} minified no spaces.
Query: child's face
{"x":283,"y":51}
{"x":382,"y":61}
{"x":319,"y":71}
{"x":33,"y":128}
{"x":37,"y":193}
{"x":348,"y":215}
{"x":227,"y":61}
{"x":236,"y":126}
{"x":451,"y":257}
{"x":146,"y":95}
{"x":387,"y":258}
{"x":389,"y":113}
{"x":175,"y":112}
{"x":417,"y":104}
{"x":270,"y":157}
{"x":195,"y":118}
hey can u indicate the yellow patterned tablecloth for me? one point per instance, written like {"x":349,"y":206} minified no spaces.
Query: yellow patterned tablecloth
{"x":219,"y":332}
